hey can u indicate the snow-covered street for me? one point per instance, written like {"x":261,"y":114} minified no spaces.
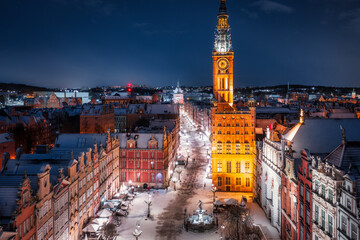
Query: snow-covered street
{"x":167,"y":210}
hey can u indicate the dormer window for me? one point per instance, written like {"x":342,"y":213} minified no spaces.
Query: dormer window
{"x":152,"y":144}
{"x":131,"y":143}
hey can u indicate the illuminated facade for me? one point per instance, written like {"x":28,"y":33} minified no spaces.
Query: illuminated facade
{"x":233,"y":137}
{"x":223,"y":57}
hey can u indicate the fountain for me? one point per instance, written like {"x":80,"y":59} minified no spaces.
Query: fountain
{"x":199,"y":220}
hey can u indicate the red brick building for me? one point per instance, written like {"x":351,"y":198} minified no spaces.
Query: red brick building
{"x":97,"y":119}
{"x":289,"y":200}
{"x":53,"y":101}
{"x":144,"y":159}
{"x":140,"y":114}
{"x":304,"y":197}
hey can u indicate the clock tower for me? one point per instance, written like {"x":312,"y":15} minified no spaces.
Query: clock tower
{"x":223,"y":57}
{"x":233,"y":149}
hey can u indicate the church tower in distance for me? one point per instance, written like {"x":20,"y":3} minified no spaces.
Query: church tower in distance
{"x":233,"y":129}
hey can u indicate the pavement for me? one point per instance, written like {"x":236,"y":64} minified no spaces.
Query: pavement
{"x":167,"y":210}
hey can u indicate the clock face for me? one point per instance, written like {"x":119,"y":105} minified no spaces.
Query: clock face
{"x":223,"y":64}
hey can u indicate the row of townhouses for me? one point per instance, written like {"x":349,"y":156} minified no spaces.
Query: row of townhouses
{"x":309,"y":179}
{"x":53,"y":194}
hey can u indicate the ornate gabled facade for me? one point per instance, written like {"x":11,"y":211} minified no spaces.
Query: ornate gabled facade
{"x":68,"y":193}
{"x":73,"y":200}
{"x":112,"y":160}
{"x":232,"y":130}
{"x":304,"y":197}
{"x":348,"y":202}
{"x":44,"y":206}
{"x":272,"y":163}
{"x":289,"y":195}
{"x":335,"y":194}
{"x":326,"y":181}
{"x":61,"y":207}
{"x":348,"y":208}
{"x":25,"y":214}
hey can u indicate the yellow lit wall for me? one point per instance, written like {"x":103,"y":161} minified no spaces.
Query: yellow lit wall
{"x":233,"y":149}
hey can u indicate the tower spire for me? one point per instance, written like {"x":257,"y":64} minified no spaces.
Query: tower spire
{"x":222,"y":10}
{"x":223,"y":57}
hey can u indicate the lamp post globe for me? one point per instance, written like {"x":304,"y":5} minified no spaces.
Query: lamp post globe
{"x":137,"y":233}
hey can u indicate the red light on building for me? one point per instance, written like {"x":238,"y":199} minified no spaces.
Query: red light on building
{"x":129,"y":87}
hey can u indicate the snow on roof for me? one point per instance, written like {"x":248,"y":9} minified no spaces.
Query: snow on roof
{"x":141,"y":139}
{"x":291,"y":134}
{"x":5,"y":137}
{"x":264,"y":123}
{"x":275,"y":110}
{"x":119,"y":94}
{"x":8,"y":196}
{"x":154,"y":108}
{"x":90,"y":110}
{"x":342,"y":115}
{"x":120,"y":111}
{"x":345,"y":154}
{"x":78,"y":141}
{"x":322,"y":136}
{"x":160,"y":123}
{"x":36,"y":163}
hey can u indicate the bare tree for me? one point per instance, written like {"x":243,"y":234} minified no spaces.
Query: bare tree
{"x":237,"y":223}
{"x":108,"y":231}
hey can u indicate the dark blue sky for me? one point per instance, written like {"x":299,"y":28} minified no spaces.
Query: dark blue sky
{"x":76,"y":43}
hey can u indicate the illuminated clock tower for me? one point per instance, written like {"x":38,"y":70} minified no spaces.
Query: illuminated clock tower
{"x":223,"y":57}
{"x":233,"y":148}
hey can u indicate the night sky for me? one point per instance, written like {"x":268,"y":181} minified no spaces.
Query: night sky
{"x":87,"y":43}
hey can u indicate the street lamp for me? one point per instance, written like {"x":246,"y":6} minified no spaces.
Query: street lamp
{"x":149,"y":203}
{"x":222,"y":230}
{"x":214,"y":190}
{"x":137,"y":233}
{"x":179,"y":170}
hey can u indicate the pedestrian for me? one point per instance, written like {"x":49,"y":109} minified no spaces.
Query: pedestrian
{"x":204,"y":185}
